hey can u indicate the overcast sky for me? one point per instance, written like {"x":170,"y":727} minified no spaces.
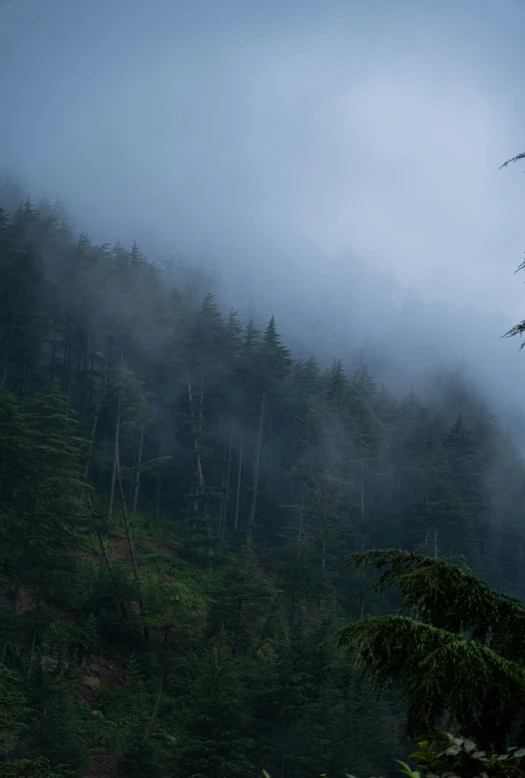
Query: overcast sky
{"x":372,"y":124}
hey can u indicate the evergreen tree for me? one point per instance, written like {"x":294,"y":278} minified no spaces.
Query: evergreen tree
{"x":458,"y":662}
{"x":216,"y":735}
{"x":177,"y":496}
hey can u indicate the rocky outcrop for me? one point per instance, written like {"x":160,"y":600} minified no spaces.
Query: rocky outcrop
{"x":106,"y":670}
{"x":91,"y":682}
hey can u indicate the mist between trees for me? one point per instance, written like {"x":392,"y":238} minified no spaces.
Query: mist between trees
{"x":178,"y":494}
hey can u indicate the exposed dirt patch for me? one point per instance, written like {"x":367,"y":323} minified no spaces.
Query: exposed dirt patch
{"x":26,"y":600}
{"x":97,"y":669}
{"x":106,"y":670}
{"x":102,"y":766}
{"x":93,"y":556}
{"x":118,"y":548}
{"x":161,"y":546}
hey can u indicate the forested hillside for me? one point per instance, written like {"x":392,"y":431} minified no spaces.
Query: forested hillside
{"x":178,"y":494}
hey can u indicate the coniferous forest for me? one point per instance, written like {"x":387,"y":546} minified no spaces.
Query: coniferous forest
{"x":179,"y":494}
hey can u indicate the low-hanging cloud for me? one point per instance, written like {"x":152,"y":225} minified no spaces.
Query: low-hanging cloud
{"x":247,"y":131}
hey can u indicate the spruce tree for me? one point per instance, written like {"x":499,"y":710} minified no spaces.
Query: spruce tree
{"x":457,"y":658}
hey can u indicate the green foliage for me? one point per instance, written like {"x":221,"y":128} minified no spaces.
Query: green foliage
{"x":457,"y":658}
{"x":216,"y":735}
{"x":13,"y":711}
{"x":447,"y":756}
{"x":32,"y":768}
{"x":140,"y":759}
{"x":448,"y":596}
{"x":177,"y":494}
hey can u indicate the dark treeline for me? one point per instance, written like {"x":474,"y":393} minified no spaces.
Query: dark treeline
{"x":177,"y":498}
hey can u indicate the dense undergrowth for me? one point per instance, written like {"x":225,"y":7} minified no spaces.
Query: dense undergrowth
{"x":177,"y":497}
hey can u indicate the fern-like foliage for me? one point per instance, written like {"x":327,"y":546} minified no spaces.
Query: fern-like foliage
{"x":518,"y":329}
{"x":513,"y":159}
{"x":460,"y":657}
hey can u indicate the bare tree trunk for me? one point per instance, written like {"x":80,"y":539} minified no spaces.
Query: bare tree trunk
{"x":266,"y":629}
{"x":138,"y":469}
{"x":105,"y":554}
{"x":362,"y":596}
{"x":67,"y":355}
{"x":151,"y":722}
{"x":53,"y":354}
{"x":31,"y":655}
{"x":363,"y":575}
{"x":115,"y":460}
{"x":25,"y":551}
{"x":196,"y":446}
{"x":240,"y":603}
{"x":94,"y":424}
{"x":323,"y":556}
{"x":131,"y":549}
{"x":83,"y":370}
{"x":362,"y":495}
{"x":129,"y":536}
{"x":295,"y":587}
{"x":157,"y":494}
{"x":107,"y":561}
{"x":257,"y":464}
{"x":28,"y":540}
{"x":300,"y":534}
{"x":10,"y":347}
{"x":298,"y":555}
{"x":226,"y":496}
{"x":2,"y":473}
{"x":91,"y":377}
{"x":239,"y":482}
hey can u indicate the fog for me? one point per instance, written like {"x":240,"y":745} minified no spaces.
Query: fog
{"x":266,"y":139}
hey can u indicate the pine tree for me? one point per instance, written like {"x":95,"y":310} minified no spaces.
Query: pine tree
{"x":216,"y":736}
{"x":242,"y":600}
{"x":458,"y":658}
{"x":49,"y":513}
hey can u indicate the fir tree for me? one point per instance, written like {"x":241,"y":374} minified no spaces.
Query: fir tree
{"x":458,"y":658}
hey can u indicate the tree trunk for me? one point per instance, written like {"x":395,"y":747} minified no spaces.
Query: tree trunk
{"x":300,"y":533}
{"x":83,"y":371}
{"x":131,"y":545}
{"x":94,"y":424}
{"x":2,"y":473}
{"x":53,"y":354}
{"x":157,"y":495}
{"x":67,"y":356}
{"x":151,"y":722}
{"x":256,"y":464}
{"x":115,"y":460}
{"x":32,"y":654}
{"x":138,"y":469}
{"x":129,"y":536}
{"x":362,"y":595}
{"x":25,"y":552}
{"x":323,"y":556}
{"x":28,"y":540}
{"x":293,"y":599}
{"x":239,"y":483}
{"x":105,"y":554}
{"x":10,"y":347}
{"x":196,"y":446}
{"x":266,"y":629}
{"x":226,"y":496}
{"x":362,"y":497}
